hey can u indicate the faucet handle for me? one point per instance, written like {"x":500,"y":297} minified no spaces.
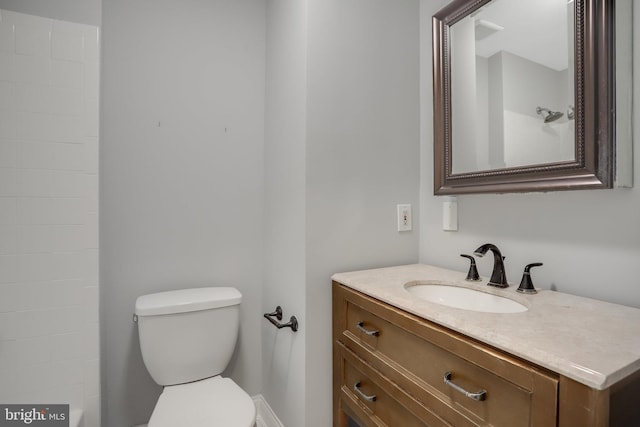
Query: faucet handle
{"x":526,"y":285}
{"x":472,"y":275}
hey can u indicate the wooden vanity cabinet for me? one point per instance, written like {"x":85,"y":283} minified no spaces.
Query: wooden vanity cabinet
{"x":389,"y":369}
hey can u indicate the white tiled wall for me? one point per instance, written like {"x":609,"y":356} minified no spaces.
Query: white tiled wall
{"x":49,"y":345}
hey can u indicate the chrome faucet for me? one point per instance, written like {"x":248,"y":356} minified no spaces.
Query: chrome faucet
{"x":498,"y":276}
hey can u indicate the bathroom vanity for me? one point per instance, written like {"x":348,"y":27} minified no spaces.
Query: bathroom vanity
{"x":400,"y":360}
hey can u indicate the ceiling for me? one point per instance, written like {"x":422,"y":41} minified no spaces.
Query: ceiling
{"x":534,"y":29}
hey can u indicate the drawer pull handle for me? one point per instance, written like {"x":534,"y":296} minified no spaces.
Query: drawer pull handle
{"x":369,"y":398}
{"x":479,"y":395}
{"x":373,"y":332}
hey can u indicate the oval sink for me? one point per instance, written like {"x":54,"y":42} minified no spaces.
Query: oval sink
{"x":465,"y":298}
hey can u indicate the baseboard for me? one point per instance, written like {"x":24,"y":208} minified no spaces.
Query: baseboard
{"x":266,"y":417}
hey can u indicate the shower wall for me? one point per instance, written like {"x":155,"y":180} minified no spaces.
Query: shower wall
{"x":49,"y":343}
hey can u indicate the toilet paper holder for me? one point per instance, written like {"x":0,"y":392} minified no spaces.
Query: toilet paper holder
{"x":293,"y":322}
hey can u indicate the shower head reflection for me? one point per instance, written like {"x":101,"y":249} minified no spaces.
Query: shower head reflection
{"x":549,"y":116}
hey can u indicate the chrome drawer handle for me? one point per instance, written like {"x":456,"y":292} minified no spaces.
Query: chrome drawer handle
{"x":369,"y":398}
{"x":373,"y":332}
{"x":478,"y":395}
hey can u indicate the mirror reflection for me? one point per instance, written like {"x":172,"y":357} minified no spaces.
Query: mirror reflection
{"x":512,"y":85}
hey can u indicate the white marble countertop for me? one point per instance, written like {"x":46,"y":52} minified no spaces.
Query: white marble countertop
{"x":593,"y":342}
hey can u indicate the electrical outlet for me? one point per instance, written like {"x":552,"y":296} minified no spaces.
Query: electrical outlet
{"x":404,"y":217}
{"x":450,"y":214}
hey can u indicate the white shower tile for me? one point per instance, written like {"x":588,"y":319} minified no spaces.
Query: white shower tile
{"x":30,"y":97}
{"x":91,"y":303}
{"x":91,"y":79}
{"x":35,"y":296}
{"x":7,"y":92}
{"x":67,"y":41}
{"x":72,"y":394}
{"x":49,"y":211}
{"x":18,"y":392}
{"x":8,"y":211}
{"x":10,"y":300}
{"x":67,"y":211}
{"x":58,"y":374}
{"x":32,"y":323}
{"x":91,"y":191}
{"x":41,"y":323}
{"x":67,"y":292}
{"x":7,"y":124}
{"x":66,"y":346}
{"x":91,"y":43}
{"x":36,"y":155}
{"x":34,"y":126}
{"x":24,"y":394}
{"x":91,"y":339}
{"x":90,"y":117}
{"x":7,"y":36}
{"x":7,"y":66}
{"x":66,"y":320}
{"x":35,"y":183}
{"x":91,"y":377}
{"x":91,"y":155}
{"x":8,"y":182}
{"x":35,"y":210}
{"x":90,"y":267}
{"x":9,"y":353}
{"x":8,"y":240}
{"x":67,"y":265}
{"x":69,"y":372}
{"x":66,"y":129}
{"x":66,"y":183}
{"x":9,"y":270}
{"x":34,"y":350}
{"x":9,"y":153}
{"x":52,"y":393}
{"x":58,"y":393}
{"x":36,"y":238}
{"x":7,"y":326}
{"x":32,"y":35}
{"x":64,"y":100}
{"x":92,"y":232}
{"x":69,"y":157}
{"x":66,"y":73}
{"x":31,"y":69}
{"x":36,"y":267}
{"x":69,"y":238}
{"x":39,"y":376}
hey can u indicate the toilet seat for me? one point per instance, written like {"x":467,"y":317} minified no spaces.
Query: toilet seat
{"x":213,"y":402}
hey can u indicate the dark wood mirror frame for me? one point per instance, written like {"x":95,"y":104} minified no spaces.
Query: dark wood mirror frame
{"x":594,"y":166}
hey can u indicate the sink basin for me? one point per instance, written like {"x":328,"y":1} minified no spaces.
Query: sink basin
{"x":465,"y":298}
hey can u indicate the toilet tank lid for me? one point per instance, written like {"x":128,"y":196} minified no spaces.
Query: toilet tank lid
{"x":185,"y":300}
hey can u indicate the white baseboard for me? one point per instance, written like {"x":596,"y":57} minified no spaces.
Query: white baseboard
{"x":266,"y":417}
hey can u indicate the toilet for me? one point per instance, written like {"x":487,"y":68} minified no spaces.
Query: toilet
{"x":187,"y":338}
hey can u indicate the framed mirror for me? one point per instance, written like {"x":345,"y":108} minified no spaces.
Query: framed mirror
{"x":524,"y":95}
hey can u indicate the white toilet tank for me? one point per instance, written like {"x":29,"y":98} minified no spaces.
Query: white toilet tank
{"x":189,"y":334}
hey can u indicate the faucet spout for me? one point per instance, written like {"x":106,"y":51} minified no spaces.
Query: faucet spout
{"x":498,"y":276}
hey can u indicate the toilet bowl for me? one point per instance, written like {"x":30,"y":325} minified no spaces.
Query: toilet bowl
{"x":215,"y":401}
{"x":187,"y":338}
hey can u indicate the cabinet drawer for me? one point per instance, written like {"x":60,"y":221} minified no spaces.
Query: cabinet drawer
{"x":375,"y":401}
{"x":416,"y":355}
